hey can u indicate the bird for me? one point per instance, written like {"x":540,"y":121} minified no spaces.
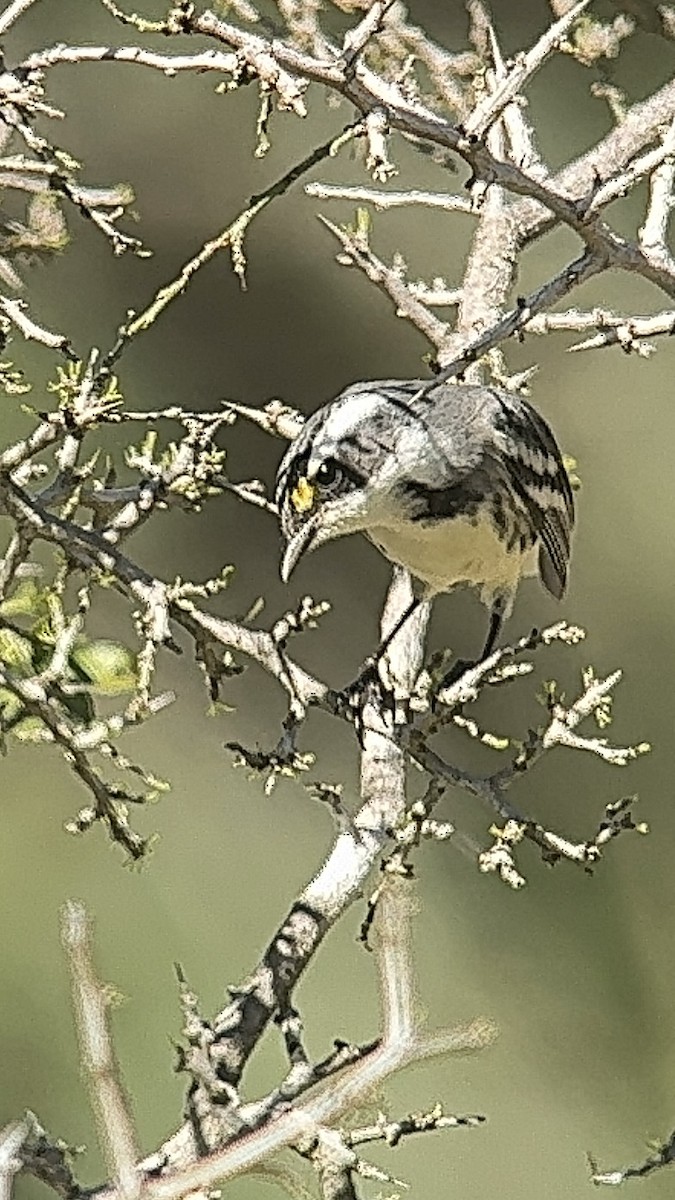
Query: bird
{"x":460,"y":484}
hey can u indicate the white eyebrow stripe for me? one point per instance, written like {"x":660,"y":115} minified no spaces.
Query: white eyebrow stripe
{"x":345,"y":418}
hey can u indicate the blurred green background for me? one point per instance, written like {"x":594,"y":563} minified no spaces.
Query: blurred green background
{"x":578,"y":972}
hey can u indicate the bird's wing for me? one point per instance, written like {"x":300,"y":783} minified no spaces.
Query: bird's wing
{"x":536,"y":474}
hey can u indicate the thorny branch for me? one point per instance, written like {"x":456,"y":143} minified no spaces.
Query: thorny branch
{"x":361,"y":839}
{"x":404,"y":88}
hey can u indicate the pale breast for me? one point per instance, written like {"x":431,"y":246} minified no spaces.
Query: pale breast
{"x":459,"y":551}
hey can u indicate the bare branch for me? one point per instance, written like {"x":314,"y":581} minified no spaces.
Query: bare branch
{"x":517,"y":318}
{"x":276,"y":418}
{"x":445,"y":201}
{"x":641,"y":124}
{"x":611,"y":328}
{"x":403,"y":1044}
{"x":15,"y":311}
{"x":12,"y":1138}
{"x":366,"y":91}
{"x":168,"y":64}
{"x":12,"y":13}
{"x":392,"y":1132}
{"x":356,"y":40}
{"x":389,"y":281}
{"x":91,"y":1001}
{"x":664,"y":1157}
{"x":653,"y":233}
{"x":525,"y":66}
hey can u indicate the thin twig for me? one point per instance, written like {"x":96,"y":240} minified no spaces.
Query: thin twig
{"x":526,"y":65}
{"x":389,"y":281}
{"x":610,"y":328}
{"x":445,"y":201}
{"x":168,"y":64}
{"x":12,"y":13}
{"x":653,"y":234}
{"x":231,"y":238}
{"x":517,"y":318}
{"x":15,"y":311}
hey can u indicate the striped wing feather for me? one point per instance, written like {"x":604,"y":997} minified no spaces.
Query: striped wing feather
{"x":538,"y":477}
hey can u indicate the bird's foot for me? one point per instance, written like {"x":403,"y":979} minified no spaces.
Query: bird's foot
{"x":451,"y":677}
{"x":456,"y":671}
{"x":373,"y":688}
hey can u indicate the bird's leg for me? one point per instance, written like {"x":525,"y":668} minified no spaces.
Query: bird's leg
{"x":370,"y":683}
{"x":369,"y":677}
{"x":384,"y":645}
{"x":494,"y":629}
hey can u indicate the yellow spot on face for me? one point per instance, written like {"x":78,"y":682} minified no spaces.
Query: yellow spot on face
{"x":302,"y":496}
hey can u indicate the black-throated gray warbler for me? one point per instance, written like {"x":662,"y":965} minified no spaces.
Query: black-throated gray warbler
{"x":461,"y":485}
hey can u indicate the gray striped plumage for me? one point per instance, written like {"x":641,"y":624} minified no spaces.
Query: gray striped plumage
{"x":464,"y":484}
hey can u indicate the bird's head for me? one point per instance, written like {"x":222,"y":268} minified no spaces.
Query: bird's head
{"x":333,"y":480}
{"x":319,"y":498}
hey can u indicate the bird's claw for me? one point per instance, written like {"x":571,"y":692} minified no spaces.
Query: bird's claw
{"x":455,"y":672}
{"x":369,"y":687}
{"x":452,"y":676}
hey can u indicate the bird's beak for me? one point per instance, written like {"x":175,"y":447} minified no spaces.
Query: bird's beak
{"x":299,"y":544}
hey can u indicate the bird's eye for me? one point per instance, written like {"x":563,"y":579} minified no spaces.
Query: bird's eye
{"x":329,"y":475}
